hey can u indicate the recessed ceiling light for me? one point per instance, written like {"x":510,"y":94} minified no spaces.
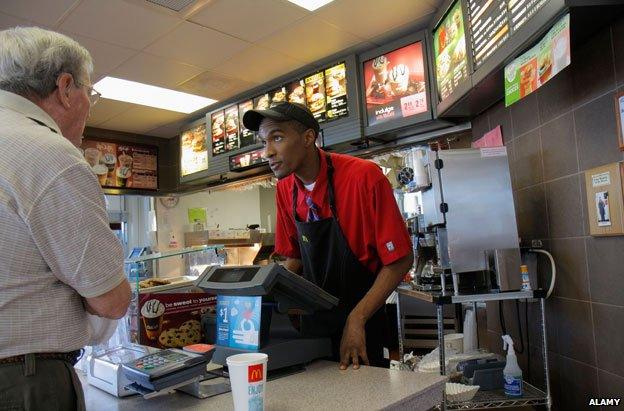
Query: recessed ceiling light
{"x":310,"y":4}
{"x":146,"y":95}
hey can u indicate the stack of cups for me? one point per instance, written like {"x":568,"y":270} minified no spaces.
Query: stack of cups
{"x":248,"y":374}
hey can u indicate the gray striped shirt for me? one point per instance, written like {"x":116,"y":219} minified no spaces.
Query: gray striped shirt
{"x":55,"y":243}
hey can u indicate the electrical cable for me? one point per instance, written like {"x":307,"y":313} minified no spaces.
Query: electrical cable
{"x":553,"y":276}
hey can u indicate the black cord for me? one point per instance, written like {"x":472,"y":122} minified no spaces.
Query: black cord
{"x":521,"y":350}
{"x":501,"y":317}
{"x":526,"y":317}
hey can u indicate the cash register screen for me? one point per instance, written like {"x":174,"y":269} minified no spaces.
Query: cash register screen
{"x":233,"y":275}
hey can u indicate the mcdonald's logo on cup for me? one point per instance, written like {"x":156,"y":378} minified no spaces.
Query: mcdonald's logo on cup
{"x":255,"y":372}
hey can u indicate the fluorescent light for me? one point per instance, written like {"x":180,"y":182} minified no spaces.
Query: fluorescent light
{"x":310,"y":4}
{"x":151,"y":96}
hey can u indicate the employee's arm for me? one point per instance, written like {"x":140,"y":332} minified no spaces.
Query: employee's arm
{"x":353,"y":344}
{"x":293,"y":264}
{"x":112,"y":304}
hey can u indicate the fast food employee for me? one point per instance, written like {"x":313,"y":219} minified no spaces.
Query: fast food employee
{"x":338,"y":225}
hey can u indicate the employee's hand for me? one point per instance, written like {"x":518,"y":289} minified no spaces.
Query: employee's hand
{"x":353,"y":344}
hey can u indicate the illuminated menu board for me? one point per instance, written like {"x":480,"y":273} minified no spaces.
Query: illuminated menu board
{"x":315,"y":95}
{"x":240,"y":162}
{"x":247,"y":137}
{"x":336,"y":91}
{"x":194,"y":151}
{"x":218,"y":133}
{"x":493,"y":21}
{"x":231,"y":129}
{"x":449,"y":47}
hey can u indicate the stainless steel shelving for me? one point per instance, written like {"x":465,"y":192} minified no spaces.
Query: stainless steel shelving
{"x":532,"y":396}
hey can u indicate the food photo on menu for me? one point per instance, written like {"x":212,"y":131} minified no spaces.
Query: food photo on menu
{"x":296,"y":92}
{"x":218,"y":132}
{"x":278,"y":96}
{"x":247,"y":137}
{"x":262,"y":102}
{"x":231,"y":129}
{"x":315,"y":95}
{"x":395,"y":84}
{"x":336,"y":90}
{"x":194,"y":156}
{"x":450,"y":52}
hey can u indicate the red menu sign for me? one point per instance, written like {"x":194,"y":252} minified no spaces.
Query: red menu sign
{"x":217,"y":121}
{"x":395,"y":84}
{"x":123,"y":165}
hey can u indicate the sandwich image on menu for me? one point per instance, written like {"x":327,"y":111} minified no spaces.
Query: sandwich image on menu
{"x":278,"y":96}
{"x":262,"y":102}
{"x":296,"y":92}
{"x":315,"y":95}
{"x":194,"y":156}
{"x":336,"y":90}
{"x":218,"y":132}
{"x":395,"y":84}
{"x":231,"y":129}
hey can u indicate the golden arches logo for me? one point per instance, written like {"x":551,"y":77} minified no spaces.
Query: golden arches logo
{"x":255,"y":373}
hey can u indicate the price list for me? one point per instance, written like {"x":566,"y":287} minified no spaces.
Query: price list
{"x":522,"y":10}
{"x":489,"y":27}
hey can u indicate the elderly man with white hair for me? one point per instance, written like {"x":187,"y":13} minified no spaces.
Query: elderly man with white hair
{"x":59,"y":260}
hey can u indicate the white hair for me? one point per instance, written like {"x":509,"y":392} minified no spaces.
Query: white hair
{"x":31,"y":59}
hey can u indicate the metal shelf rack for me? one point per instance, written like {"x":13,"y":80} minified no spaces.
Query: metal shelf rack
{"x":484,"y":399}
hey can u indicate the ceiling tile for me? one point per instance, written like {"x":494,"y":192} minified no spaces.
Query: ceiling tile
{"x":215,"y":85}
{"x":106,"y":109}
{"x":310,"y":40}
{"x":105,"y":56}
{"x":168,"y":130}
{"x":141,"y":119}
{"x":239,"y":18}
{"x":7,"y":22}
{"x":193,"y":44}
{"x":46,"y":12}
{"x":158,"y":71}
{"x":258,"y":64}
{"x":368,"y":19}
{"x":119,"y":22}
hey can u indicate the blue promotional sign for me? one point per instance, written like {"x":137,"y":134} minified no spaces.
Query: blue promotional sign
{"x":238,"y":322}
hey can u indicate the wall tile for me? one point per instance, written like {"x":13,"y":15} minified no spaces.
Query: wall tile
{"x":556,"y":96}
{"x":596,"y":133}
{"x":584,"y":204}
{"x":608,"y":320}
{"x":593,"y":72}
{"x":531,"y":213}
{"x":617,"y":35}
{"x":578,"y":383}
{"x":480,"y":125}
{"x":527,"y":162}
{"x":500,"y":115}
{"x":511,"y":156}
{"x":565,"y":218}
{"x":571,"y":262}
{"x":606,"y":269}
{"x":559,"y":148}
{"x":493,"y":323}
{"x":524,"y":115}
{"x":575,"y":330}
{"x":611,"y":385}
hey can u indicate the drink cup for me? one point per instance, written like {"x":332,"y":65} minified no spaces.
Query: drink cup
{"x":92,"y":155}
{"x":125,"y":160}
{"x":123,"y":173}
{"x":110,"y":160}
{"x":152,"y":313}
{"x":101,"y":172}
{"x":248,"y":374}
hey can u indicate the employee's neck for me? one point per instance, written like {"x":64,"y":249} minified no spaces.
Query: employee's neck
{"x":309,"y":170}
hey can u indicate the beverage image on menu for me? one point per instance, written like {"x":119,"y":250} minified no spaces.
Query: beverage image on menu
{"x":278,"y":95}
{"x":247,"y":137}
{"x":231,"y":128}
{"x":152,"y":314}
{"x":336,"y":90}
{"x":295,"y":92}
{"x":395,"y":84}
{"x":315,"y":95}
{"x":194,"y":154}
{"x":217,"y":121}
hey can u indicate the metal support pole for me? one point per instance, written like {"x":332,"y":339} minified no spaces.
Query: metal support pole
{"x":545,"y":352}
{"x":399,"y":327}
{"x":440,"y":314}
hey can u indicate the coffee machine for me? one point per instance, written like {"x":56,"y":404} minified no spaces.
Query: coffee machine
{"x":465,"y":234}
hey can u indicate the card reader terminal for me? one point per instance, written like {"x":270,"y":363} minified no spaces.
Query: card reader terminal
{"x":165,"y":368}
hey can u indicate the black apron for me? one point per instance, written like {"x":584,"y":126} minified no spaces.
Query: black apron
{"x":329,"y":263}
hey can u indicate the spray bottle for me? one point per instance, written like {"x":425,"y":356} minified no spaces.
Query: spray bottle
{"x":512,"y":374}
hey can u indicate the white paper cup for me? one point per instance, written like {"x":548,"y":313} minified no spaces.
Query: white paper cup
{"x":248,"y":374}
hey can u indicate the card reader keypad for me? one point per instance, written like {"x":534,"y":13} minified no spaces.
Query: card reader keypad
{"x":157,"y":360}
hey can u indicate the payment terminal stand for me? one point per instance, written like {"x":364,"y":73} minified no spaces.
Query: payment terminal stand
{"x":240,"y":288}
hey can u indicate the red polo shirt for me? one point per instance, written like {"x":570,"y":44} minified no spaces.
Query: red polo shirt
{"x":367,"y":211}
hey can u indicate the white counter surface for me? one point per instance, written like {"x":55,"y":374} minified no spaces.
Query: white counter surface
{"x":321,"y":387}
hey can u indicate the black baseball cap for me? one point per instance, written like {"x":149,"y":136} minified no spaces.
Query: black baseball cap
{"x":281,"y":112}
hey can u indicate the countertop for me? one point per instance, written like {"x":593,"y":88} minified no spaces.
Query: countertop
{"x":322,"y":386}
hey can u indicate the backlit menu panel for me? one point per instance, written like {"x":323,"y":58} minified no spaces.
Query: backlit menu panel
{"x":522,"y":10}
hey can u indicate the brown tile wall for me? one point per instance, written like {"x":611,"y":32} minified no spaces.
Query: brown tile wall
{"x":553,"y":136}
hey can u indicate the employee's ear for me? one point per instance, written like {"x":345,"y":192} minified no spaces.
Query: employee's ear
{"x":310,"y":137}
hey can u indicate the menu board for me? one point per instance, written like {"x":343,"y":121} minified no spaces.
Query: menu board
{"x":277,"y":96}
{"x":449,"y":47}
{"x":218,"y":132}
{"x":247,"y":160}
{"x":123,"y":165}
{"x":231,"y":128}
{"x":493,"y":21}
{"x":194,"y":152}
{"x":538,"y":65}
{"x":315,"y":95}
{"x":395,"y":84}
{"x":262,"y":102}
{"x":247,"y":137}
{"x":295,"y":92}
{"x":336,"y":90}
{"x":522,"y":10}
